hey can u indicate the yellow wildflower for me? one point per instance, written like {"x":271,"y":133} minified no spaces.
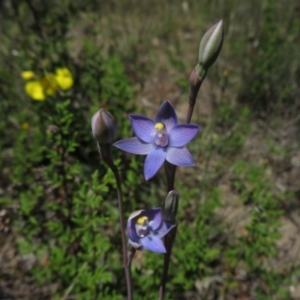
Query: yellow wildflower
{"x":34,"y":89}
{"x":49,"y":84}
{"x":25,"y":125}
{"x":64,"y":78}
{"x":27,"y":75}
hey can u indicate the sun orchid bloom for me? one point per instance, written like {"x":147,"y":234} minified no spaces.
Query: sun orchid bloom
{"x":145,"y":228}
{"x":162,"y":139}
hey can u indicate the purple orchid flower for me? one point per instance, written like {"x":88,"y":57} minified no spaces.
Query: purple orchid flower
{"x":161,"y":140}
{"x":145,"y":229}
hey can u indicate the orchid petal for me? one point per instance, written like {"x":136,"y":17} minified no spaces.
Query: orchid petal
{"x":167,"y":115}
{"x":134,"y":146}
{"x":135,"y":214}
{"x":135,"y":245}
{"x":133,"y":237}
{"x":180,"y":135}
{"x":179,"y":157}
{"x":154,"y":161}
{"x":155,"y":217}
{"x":143,"y":127}
{"x":153,"y":243}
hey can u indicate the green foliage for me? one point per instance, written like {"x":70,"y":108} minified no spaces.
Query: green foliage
{"x":199,"y":253}
{"x":67,"y":208}
{"x":256,"y":247}
{"x":70,"y":220}
{"x":272,"y":60}
{"x":65,"y":198}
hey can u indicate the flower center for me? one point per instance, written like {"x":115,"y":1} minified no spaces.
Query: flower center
{"x":142,"y":220}
{"x":142,"y":232}
{"x":141,"y":226}
{"x":161,"y":136}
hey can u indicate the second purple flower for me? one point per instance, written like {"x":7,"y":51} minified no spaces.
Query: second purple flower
{"x":162,"y":139}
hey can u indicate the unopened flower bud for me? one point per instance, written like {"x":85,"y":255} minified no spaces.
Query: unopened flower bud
{"x":170,"y":207}
{"x":210,"y":46}
{"x":103,"y":126}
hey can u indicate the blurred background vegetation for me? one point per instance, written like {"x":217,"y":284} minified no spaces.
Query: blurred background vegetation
{"x":239,"y":214}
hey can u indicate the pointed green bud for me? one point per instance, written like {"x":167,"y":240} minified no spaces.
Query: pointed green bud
{"x":103,"y":127}
{"x":170,"y":207}
{"x":210,"y":46}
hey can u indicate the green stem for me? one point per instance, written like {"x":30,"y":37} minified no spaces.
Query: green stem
{"x":196,"y":78}
{"x":126,"y":255}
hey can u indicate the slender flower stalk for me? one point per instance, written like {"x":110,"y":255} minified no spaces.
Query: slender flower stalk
{"x":104,"y":130}
{"x":210,"y":47}
{"x":195,"y":84}
{"x":169,"y":241}
{"x":127,"y":256}
{"x":130,"y":256}
{"x":170,"y":171}
{"x":170,"y":207}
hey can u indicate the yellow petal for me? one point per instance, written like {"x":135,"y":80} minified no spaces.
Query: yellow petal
{"x":64,"y":78}
{"x":63,"y":72}
{"x":64,"y":83}
{"x":49,"y":84}
{"x":27,"y":75}
{"x":35,"y":90}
